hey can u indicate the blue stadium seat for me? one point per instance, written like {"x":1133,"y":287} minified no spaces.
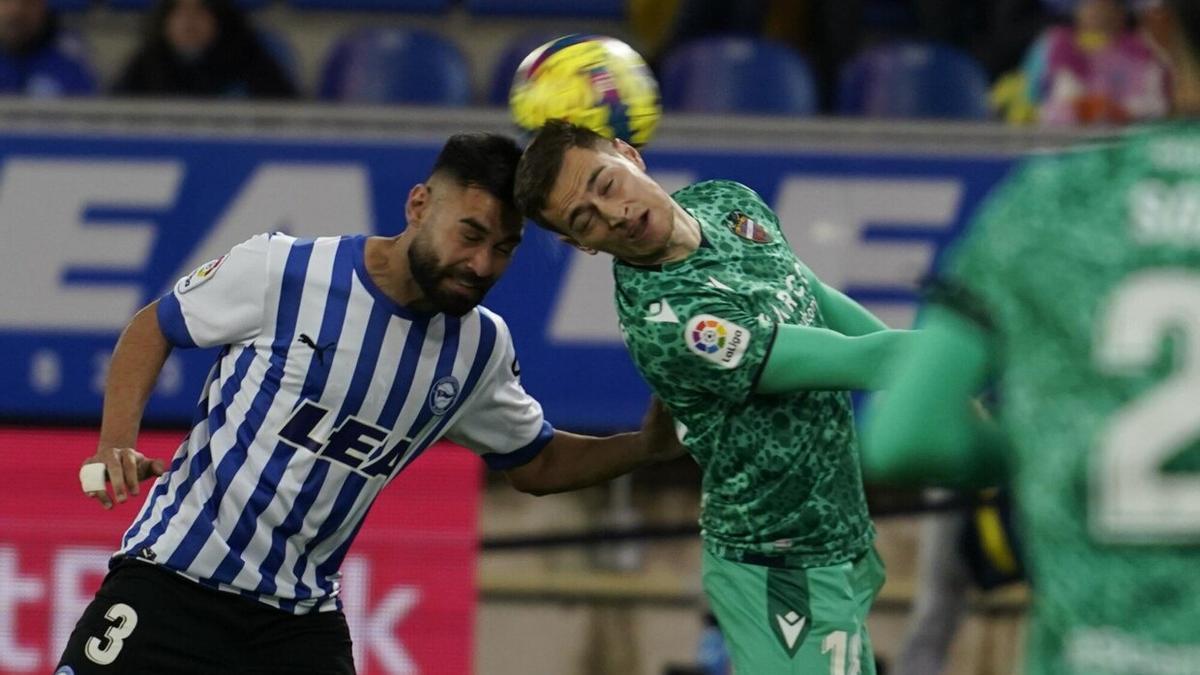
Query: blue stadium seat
{"x":375,"y":5}
{"x":913,"y":80}
{"x":509,"y":59}
{"x":600,"y":9}
{"x":395,"y":65}
{"x":737,"y":75}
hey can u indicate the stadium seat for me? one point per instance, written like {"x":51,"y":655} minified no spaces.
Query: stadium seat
{"x":374,"y":5}
{"x":913,"y":80}
{"x":509,"y":59}
{"x":737,"y":75}
{"x":395,"y":65}
{"x":610,"y":9}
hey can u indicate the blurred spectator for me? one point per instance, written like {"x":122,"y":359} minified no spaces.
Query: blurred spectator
{"x":975,"y":548}
{"x":36,"y":57}
{"x":996,"y":32}
{"x":202,"y":48}
{"x":701,"y":18}
{"x":712,"y":654}
{"x":827,"y":32}
{"x":1100,"y":70}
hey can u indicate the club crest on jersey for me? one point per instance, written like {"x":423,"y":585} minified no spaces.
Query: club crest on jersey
{"x":444,"y":394}
{"x":744,"y":227}
{"x":199,"y":275}
{"x":715,"y":339}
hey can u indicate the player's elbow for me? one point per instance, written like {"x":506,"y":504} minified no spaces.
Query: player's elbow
{"x":532,"y":478}
{"x":533,"y":488}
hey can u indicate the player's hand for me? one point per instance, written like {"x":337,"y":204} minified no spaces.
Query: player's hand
{"x":123,"y":468}
{"x":658,"y":433}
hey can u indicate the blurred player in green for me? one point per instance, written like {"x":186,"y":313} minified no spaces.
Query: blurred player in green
{"x":754,"y":356}
{"x":1079,"y":290}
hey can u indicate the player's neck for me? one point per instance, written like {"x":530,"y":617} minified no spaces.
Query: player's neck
{"x":685,"y":237}
{"x":386,"y":262}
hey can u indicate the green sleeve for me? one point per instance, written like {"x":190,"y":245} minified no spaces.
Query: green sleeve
{"x":925,"y":430}
{"x":843,"y":314}
{"x":804,"y":357}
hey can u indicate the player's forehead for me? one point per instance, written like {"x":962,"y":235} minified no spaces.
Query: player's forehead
{"x":484,"y":211}
{"x":579,"y":167}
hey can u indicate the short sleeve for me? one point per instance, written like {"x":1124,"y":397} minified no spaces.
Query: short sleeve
{"x":220,"y":302}
{"x":704,"y":343}
{"x":986,"y":274}
{"x":502,"y":423}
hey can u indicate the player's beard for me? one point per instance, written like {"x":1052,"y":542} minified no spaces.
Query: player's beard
{"x":430,"y":276}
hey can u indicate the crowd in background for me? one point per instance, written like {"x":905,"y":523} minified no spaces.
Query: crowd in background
{"x":1057,"y":62}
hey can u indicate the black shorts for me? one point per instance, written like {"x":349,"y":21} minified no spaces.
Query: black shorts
{"x":146,"y":619}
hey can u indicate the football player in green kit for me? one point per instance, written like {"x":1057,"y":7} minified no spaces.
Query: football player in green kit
{"x":1078,"y":289}
{"x":754,"y":357}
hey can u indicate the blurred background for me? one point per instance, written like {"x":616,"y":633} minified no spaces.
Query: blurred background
{"x":139,"y":139}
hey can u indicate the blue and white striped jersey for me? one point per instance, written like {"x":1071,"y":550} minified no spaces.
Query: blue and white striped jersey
{"x":325,"y":389}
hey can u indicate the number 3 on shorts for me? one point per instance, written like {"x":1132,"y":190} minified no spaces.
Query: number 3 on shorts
{"x":105,"y":651}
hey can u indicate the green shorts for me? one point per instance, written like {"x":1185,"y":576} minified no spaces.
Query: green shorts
{"x":780,"y":621}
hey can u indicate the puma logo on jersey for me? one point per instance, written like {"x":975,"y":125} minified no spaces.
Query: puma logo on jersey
{"x":319,"y":350}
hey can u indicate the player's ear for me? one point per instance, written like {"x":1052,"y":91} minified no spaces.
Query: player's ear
{"x":629,"y":152}
{"x":568,"y":240}
{"x":416,"y":205}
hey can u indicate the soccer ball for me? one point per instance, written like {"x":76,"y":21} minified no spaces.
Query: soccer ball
{"x":591,"y":80}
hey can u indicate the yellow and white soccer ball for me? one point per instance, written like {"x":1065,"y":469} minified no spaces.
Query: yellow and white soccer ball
{"x":591,"y":80}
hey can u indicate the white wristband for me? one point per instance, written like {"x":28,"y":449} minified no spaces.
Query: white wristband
{"x":91,"y":477}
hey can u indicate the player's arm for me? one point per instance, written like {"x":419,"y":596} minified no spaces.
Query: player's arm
{"x":220,"y":302}
{"x":572,"y":461}
{"x":927,"y":429}
{"x":843,"y":314}
{"x":136,"y":362}
{"x":804,"y":357}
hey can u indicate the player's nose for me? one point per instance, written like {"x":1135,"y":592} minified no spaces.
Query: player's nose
{"x":616,"y":214}
{"x":483,"y":262}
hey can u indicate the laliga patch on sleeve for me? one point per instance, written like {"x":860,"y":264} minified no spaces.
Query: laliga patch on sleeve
{"x":199,"y":275}
{"x":718,"y":340}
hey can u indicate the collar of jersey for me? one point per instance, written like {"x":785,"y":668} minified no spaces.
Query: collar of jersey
{"x":360,"y":267}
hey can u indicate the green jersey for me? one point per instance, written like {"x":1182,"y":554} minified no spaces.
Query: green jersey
{"x":1085,"y":270}
{"x":781,"y":473}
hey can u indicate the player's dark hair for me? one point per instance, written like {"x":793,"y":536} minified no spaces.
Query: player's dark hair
{"x":1187,"y":13}
{"x":542,"y":161}
{"x":484,"y":161}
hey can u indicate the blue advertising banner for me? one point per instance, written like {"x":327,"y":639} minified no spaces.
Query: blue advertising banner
{"x":96,"y":226}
